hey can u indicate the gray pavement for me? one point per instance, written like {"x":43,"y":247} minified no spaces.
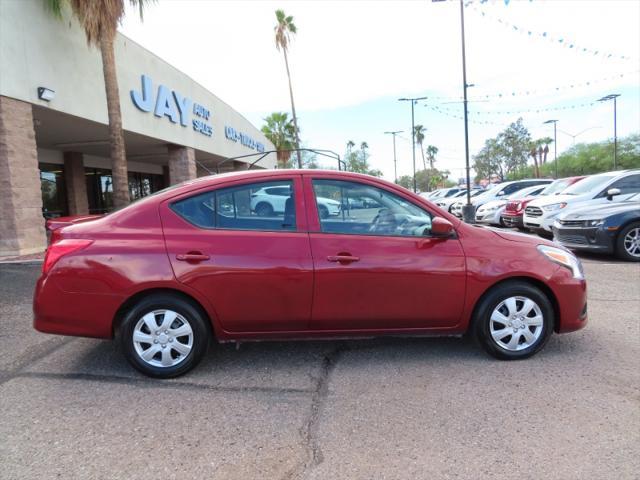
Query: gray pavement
{"x":387,"y":408}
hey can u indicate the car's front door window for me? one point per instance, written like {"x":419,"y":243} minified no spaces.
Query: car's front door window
{"x":367,"y":210}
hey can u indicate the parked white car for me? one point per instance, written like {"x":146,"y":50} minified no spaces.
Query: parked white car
{"x":269,"y":201}
{"x":461,"y":197}
{"x":597,"y":189}
{"x":441,"y":193}
{"x":491,"y":212}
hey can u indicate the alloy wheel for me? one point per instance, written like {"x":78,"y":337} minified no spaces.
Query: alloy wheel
{"x":516,"y":323}
{"x":163,"y":338}
{"x":632,"y":242}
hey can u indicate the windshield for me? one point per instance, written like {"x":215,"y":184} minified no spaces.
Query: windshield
{"x":555,"y":187}
{"x":588,"y":184}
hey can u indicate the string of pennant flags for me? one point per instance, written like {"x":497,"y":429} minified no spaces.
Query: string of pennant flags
{"x":562,"y":41}
{"x":541,"y":91}
{"x":528,"y":110}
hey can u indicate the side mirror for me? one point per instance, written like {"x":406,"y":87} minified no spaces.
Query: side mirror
{"x":612,"y":192}
{"x":500,"y":193}
{"x":441,"y":227}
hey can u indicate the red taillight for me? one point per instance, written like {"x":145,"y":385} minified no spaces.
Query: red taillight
{"x":61,"y":248}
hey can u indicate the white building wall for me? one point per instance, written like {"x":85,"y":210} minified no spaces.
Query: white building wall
{"x":38,"y":50}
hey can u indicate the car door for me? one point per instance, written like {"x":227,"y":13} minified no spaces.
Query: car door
{"x":256,"y":271}
{"x":375,"y":268}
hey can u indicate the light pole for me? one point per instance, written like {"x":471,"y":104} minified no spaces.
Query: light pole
{"x":555,"y":144}
{"x":613,"y":97}
{"x":574,"y":135}
{"x":395,"y":163}
{"x":468,"y":213}
{"x":413,"y":136}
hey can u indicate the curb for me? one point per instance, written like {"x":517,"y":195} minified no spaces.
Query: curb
{"x":21,"y":262}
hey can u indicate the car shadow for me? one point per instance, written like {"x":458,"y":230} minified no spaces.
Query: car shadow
{"x":294,"y":364}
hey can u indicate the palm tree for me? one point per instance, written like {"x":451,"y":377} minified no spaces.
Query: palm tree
{"x":363,"y":149}
{"x":350,"y":145}
{"x":418,"y":133}
{"x":432,"y":151}
{"x":100,"y":19}
{"x":280,"y":131}
{"x":284,"y":29}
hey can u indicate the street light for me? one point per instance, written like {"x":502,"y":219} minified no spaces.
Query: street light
{"x":395,"y":163}
{"x":468,"y":213}
{"x":613,"y":97}
{"x":413,"y":136}
{"x":574,"y":135}
{"x":555,"y":143}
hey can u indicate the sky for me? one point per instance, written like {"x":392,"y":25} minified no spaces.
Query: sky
{"x":351,"y":61}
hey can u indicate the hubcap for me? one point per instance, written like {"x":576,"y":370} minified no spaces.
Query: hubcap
{"x":516,"y":323}
{"x":163,"y":338}
{"x":632,"y":242}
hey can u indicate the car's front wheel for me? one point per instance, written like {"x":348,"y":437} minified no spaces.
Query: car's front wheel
{"x":514,"y":321}
{"x":628,"y":243}
{"x":164,"y":336}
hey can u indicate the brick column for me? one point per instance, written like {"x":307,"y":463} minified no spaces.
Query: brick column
{"x":182,"y":164}
{"x":76,"y":183}
{"x":21,"y":222}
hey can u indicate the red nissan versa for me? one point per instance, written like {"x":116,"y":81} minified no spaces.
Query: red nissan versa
{"x":247,"y":256}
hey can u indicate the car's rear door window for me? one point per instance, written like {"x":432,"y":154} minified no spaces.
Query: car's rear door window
{"x":266,"y":206}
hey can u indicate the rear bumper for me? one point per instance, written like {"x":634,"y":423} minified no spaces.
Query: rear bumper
{"x":77,"y":314}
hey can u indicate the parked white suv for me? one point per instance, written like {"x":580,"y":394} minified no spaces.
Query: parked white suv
{"x":491,"y":212}
{"x":272,"y":200}
{"x":596,"y":189}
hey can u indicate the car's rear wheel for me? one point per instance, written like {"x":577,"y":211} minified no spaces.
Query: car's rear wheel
{"x":514,"y":321}
{"x":323,"y":211}
{"x":628,"y":243}
{"x":264,"y":210}
{"x":164,"y":336}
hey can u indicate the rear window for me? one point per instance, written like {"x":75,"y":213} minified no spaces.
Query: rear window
{"x":243,"y":207}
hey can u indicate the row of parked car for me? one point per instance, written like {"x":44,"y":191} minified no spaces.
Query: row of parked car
{"x":598,"y":213}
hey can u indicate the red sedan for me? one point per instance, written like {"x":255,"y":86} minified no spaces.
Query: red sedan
{"x":248,"y":256}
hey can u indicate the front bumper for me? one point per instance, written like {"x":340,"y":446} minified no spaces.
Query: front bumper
{"x":571,"y":298}
{"x":594,"y":239}
{"x":514,"y":221}
{"x":491,"y":217}
{"x":540,"y":223}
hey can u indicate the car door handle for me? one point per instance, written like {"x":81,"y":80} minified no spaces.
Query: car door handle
{"x":343,"y":258}
{"x":192,"y":257}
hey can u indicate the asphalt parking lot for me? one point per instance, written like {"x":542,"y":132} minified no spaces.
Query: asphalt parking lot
{"x":393,"y":408}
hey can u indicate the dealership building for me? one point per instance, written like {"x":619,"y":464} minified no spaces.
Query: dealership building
{"x":54,"y":139}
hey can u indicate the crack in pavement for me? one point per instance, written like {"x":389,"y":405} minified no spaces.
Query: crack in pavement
{"x":144,"y":382}
{"x":33,"y":355}
{"x":309,"y":430}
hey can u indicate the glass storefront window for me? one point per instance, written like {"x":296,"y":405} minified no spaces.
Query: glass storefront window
{"x":54,"y":195}
{"x":100,"y":188}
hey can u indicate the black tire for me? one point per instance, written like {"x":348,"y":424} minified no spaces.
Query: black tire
{"x":264,"y":209}
{"x":522,"y":229}
{"x":493,"y":299}
{"x":187,"y":311}
{"x":621,"y":251}
{"x":323,"y":211}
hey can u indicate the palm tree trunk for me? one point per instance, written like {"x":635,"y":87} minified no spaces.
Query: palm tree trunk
{"x":424,"y":162}
{"x":116,"y":137}
{"x":293,"y":109}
